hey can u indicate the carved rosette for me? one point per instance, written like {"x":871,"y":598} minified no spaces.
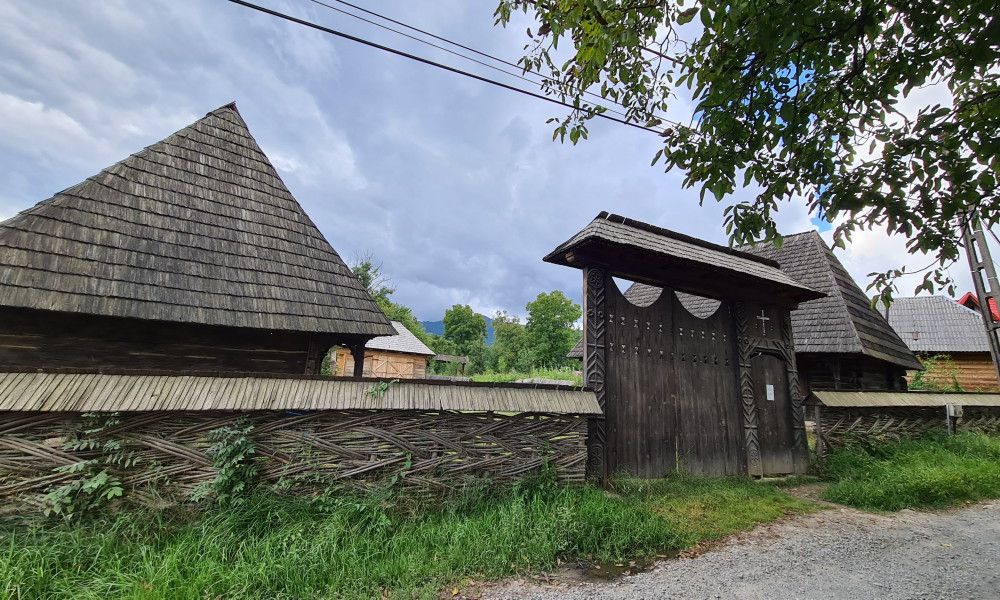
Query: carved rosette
{"x":595,"y":330}
{"x":745,"y":348}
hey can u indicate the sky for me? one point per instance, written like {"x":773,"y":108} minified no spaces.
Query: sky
{"x":454,"y":185}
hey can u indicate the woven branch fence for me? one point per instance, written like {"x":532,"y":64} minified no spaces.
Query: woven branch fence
{"x":836,"y":426}
{"x":417,"y":450}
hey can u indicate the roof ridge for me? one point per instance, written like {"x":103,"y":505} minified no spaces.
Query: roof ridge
{"x":614,"y":218}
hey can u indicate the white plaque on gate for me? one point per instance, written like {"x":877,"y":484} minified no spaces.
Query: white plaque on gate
{"x":770,"y":392}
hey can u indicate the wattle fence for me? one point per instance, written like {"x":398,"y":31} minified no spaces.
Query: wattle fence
{"x":168,"y":437}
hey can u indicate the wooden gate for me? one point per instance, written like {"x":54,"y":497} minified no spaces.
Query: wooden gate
{"x":680,"y":392}
{"x":671,"y":388}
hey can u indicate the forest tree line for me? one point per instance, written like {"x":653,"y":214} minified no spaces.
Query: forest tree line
{"x":540,"y":342}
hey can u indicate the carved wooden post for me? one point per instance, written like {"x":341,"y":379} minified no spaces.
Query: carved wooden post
{"x":745,"y":348}
{"x":594,"y":281}
{"x":800,"y":446}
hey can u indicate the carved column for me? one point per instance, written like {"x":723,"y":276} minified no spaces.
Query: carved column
{"x":745,"y":348}
{"x":594,"y":281}
{"x":800,"y":446}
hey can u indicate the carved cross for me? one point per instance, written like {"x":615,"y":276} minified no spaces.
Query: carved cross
{"x":763,"y":322}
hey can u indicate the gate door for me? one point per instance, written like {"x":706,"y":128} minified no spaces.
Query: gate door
{"x":774,"y":414}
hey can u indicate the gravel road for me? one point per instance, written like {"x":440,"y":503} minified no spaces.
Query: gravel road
{"x":836,"y":553}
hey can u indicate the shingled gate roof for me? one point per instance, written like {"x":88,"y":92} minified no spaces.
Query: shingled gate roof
{"x":404,"y":342}
{"x":198,"y":228}
{"x":938,"y":324}
{"x":843,"y":321}
{"x":651,"y":254}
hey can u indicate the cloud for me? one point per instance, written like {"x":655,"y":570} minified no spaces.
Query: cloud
{"x":454,"y":184}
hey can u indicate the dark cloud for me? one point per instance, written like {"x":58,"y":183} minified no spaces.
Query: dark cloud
{"x":453,"y":184}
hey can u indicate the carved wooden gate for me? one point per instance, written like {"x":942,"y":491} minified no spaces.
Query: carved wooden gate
{"x":712,"y":394}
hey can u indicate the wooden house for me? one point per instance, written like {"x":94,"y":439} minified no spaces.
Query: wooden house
{"x":935,"y":325}
{"x":841,"y":343}
{"x":698,"y":377}
{"x":401,"y":356}
{"x":190,"y":255}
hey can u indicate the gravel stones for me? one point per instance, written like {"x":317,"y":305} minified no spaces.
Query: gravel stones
{"x":838,"y":553}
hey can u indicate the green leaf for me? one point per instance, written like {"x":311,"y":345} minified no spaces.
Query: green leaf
{"x":686,"y":16}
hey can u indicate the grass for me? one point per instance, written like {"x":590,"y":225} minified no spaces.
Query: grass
{"x":351,"y":546}
{"x":926,"y":473}
{"x":563,"y":374}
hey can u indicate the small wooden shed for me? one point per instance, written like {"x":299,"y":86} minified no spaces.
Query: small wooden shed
{"x":711,"y":392}
{"x":401,"y":356}
{"x":190,"y":255}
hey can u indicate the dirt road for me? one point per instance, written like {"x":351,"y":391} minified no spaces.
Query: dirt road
{"x":837,"y":553}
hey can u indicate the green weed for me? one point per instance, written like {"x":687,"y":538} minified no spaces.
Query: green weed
{"x":930,"y":472}
{"x":362,"y":546}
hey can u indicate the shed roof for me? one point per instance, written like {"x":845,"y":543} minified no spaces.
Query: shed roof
{"x":938,"y":324}
{"x":197,"y":228}
{"x":653,"y":255}
{"x":404,"y":341}
{"x":880,"y":399}
{"x":97,"y":392}
{"x":841,"y":322}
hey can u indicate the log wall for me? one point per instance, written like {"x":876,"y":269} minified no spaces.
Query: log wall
{"x":43,"y":339}
{"x":847,"y":372}
{"x":974,"y":372}
{"x":425,"y":451}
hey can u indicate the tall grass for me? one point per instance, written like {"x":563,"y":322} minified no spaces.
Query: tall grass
{"x":352,"y":546}
{"x":930,"y":472}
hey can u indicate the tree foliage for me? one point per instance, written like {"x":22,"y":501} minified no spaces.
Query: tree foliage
{"x":370,"y":274}
{"x":801,"y":100}
{"x":549,"y":330}
{"x":510,"y":344}
{"x":464,"y":327}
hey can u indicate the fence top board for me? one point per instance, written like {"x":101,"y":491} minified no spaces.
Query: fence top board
{"x":104,"y":392}
{"x":901,"y":399}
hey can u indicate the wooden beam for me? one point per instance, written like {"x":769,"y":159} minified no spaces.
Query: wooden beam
{"x":358,"y":352}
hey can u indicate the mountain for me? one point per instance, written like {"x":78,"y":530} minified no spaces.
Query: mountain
{"x":437,"y":328}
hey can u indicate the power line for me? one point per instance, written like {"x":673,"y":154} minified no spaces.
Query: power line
{"x":425,"y":61}
{"x":473,"y":50}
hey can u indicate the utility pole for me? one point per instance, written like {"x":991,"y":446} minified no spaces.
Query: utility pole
{"x":984,"y":278}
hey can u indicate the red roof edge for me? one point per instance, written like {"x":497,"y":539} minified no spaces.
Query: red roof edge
{"x":970,"y":301}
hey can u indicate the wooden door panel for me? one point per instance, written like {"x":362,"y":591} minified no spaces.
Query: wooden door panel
{"x":774,"y":414}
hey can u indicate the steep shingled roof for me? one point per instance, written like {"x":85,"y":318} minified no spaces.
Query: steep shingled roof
{"x":843,"y":322}
{"x":938,"y":324}
{"x":404,"y":341}
{"x":197,"y":228}
{"x":652,"y":250}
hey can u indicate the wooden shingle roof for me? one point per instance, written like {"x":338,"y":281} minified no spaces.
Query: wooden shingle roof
{"x":198,"y":228}
{"x":653,"y":255}
{"x":843,"y":321}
